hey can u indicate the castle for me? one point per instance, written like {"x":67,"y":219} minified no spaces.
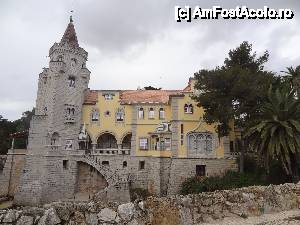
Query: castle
{"x":83,"y":141}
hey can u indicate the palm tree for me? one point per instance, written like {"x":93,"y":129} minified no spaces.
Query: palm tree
{"x":277,"y":134}
{"x":293,"y":76}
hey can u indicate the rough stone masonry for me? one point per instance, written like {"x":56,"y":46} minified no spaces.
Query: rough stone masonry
{"x":173,"y":210}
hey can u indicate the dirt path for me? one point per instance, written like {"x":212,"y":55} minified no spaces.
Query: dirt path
{"x":282,"y":218}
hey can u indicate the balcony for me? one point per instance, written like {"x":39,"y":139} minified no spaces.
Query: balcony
{"x":109,"y":151}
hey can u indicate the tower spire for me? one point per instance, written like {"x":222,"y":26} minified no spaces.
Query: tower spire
{"x":71,"y":16}
{"x":70,"y":36}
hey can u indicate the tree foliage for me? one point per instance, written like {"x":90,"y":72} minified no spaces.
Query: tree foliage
{"x":293,"y":77}
{"x":8,"y":127}
{"x":151,"y":88}
{"x":235,"y":90}
{"x":277,"y":134}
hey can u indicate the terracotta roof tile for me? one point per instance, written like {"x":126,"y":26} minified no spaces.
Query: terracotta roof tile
{"x":91,"y":97}
{"x":147,"y":96}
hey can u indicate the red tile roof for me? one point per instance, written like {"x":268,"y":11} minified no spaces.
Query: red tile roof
{"x":147,"y":96}
{"x":91,"y":97}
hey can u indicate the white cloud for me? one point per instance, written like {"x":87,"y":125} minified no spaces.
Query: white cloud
{"x":131,"y":43}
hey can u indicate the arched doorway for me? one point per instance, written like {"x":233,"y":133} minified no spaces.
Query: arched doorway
{"x":89,"y":182}
{"x":126,"y":142}
{"x":107,"y":141}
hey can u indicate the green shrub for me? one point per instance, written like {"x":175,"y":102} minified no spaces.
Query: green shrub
{"x":229,"y":180}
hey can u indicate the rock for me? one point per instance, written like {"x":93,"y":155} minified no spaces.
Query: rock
{"x":49,"y":218}
{"x":36,"y":220}
{"x":141,"y":205}
{"x":64,"y":212}
{"x":91,"y":218}
{"x":126,"y":211}
{"x":186,"y":201}
{"x":25,"y":220}
{"x":133,"y":222}
{"x":10,"y":217}
{"x":33,"y":211}
{"x":186,"y":216}
{"x":107,"y":215}
{"x":77,"y":219}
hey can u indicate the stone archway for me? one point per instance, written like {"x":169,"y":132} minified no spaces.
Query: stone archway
{"x":126,"y":141}
{"x":117,"y":184}
{"x":89,"y":181}
{"x":107,"y":141}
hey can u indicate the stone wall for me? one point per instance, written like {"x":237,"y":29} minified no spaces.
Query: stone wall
{"x":174,"y":210}
{"x":11,"y":172}
{"x":50,"y":180}
{"x":89,"y":181}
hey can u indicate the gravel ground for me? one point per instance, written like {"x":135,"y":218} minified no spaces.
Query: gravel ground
{"x":283,"y":218}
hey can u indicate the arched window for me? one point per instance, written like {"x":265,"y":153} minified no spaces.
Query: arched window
{"x":161,"y":113}
{"x":107,"y":141}
{"x":60,"y":58}
{"x":151,"y":113}
{"x":95,"y":115}
{"x":54,"y":138}
{"x":141,"y":113}
{"x":188,"y":108}
{"x":200,"y":143}
{"x":126,"y":142}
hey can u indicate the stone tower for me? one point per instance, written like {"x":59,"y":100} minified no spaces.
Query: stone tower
{"x":50,"y":168}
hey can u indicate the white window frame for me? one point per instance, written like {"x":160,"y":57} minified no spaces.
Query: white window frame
{"x":151,"y":113}
{"x":168,"y":144}
{"x":71,"y":81}
{"x":141,"y":113}
{"x":95,"y":115}
{"x":161,"y":113}
{"x":108,"y":96}
{"x":120,"y":115}
{"x":143,"y":143}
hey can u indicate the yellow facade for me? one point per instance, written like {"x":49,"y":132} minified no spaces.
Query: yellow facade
{"x":145,"y":128}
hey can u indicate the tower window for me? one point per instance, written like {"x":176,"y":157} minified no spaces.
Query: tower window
{"x":69,"y":144}
{"x":161,"y":113}
{"x":124,"y":164}
{"x":71,"y":81}
{"x":73,"y":62}
{"x":54,"y":138}
{"x":151,"y":113}
{"x":65,"y":164}
{"x":141,"y":113}
{"x":60,"y":58}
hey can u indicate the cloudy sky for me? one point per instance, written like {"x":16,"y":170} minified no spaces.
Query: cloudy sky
{"x":132,"y":43}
